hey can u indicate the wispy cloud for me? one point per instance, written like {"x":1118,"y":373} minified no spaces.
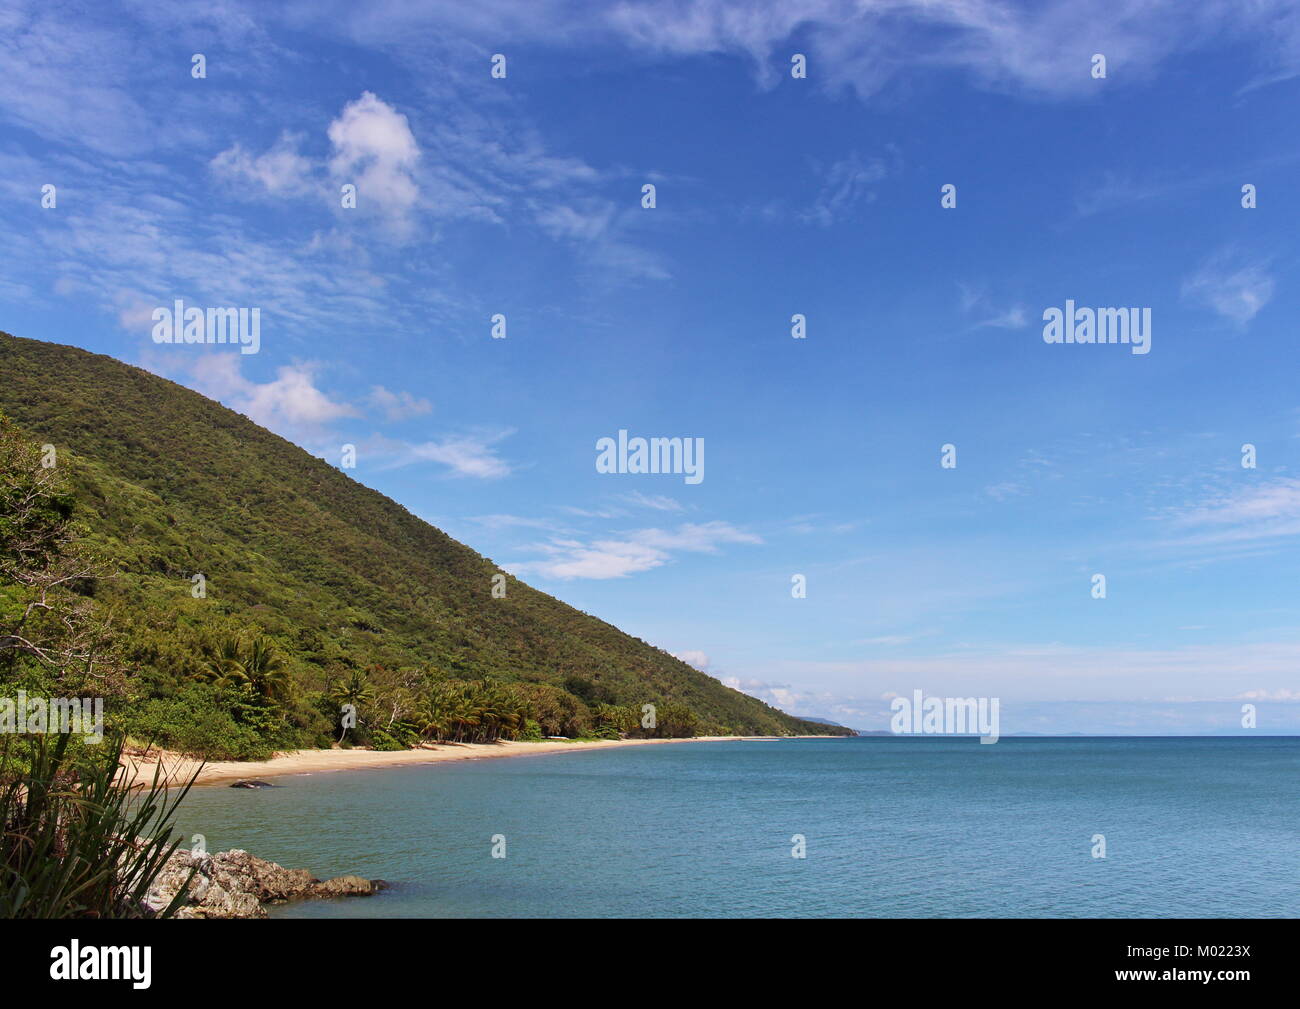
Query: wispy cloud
{"x":1233,"y":285}
{"x":846,"y":185}
{"x":1116,"y":191}
{"x":658,"y":502}
{"x":593,"y":513}
{"x":399,"y":406}
{"x":888,"y":640}
{"x":466,"y":455}
{"x":975,"y":302}
{"x":602,"y":235}
{"x":123,"y":246}
{"x":807,"y":525}
{"x":1269,"y":511}
{"x":279,"y":171}
{"x":862,"y":46}
{"x":640,"y":550}
{"x":497,"y":522}
{"x":1003,"y":491}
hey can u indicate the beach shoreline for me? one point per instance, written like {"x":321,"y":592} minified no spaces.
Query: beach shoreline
{"x":139,"y":769}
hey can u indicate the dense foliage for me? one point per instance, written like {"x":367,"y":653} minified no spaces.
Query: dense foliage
{"x":317,"y":596}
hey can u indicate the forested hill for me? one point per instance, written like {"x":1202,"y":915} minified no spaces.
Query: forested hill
{"x":169,"y":483}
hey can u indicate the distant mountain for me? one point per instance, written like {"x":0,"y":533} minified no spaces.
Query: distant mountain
{"x":170,"y":484}
{"x":827,"y":721}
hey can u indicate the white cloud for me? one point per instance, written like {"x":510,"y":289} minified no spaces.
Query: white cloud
{"x":694,"y":658}
{"x":1004,"y":490}
{"x":135,"y":313}
{"x":594,"y":513}
{"x":398,"y":406}
{"x":466,"y":454}
{"x":659,"y":502}
{"x":290,"y":404}
{"x":845,"y":185}
{"x":1231,"y":285}
{"x":281,"y":170}
{"x":375,"y":149}
{"x":976,"y":301}
{"x":1280,"y":499}
{"x":807,"y":525}
{"x":702,"y":537}
{"x":641,"y":550}
{"x":511,"y":522}
{"x":1015,"y":317}
{"x":792,"y":700}
{"x":1118,"y":192}
{"x":586,"y":223}
{"x":1269,"y":511}
{"x":599,"y":233}
{"x":602,"y":559}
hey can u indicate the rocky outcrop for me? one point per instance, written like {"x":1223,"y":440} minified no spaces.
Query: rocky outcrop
{"x":235,"y":884}
{"x":346,"y":886}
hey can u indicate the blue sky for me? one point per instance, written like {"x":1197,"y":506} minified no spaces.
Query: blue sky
{"x":774,"y":196}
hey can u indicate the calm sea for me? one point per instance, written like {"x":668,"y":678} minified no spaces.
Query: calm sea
{"x":910,"y":827}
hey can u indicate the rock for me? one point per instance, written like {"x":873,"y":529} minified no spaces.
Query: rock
{"x":345,"y":886}
{"x":235,"y":884}
{"x":249,"y":783}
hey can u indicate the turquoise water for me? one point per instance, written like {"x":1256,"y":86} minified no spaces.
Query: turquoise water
{"x":911,"y":827}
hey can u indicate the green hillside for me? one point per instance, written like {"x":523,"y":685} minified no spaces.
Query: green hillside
{"x":343,"y":583}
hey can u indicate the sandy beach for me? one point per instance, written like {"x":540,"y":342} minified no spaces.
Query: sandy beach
{"x":177,"y":767}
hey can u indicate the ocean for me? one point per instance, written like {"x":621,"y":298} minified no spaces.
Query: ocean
{"x":887,"y":826}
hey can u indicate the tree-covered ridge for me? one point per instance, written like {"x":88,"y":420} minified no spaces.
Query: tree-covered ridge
{"x":329,"y":581}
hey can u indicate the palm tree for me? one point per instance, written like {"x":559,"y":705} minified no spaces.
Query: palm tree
{"x":260,"y":665}
{"x":471,"y":712}
{"x":223,"y":664}
{"x":355,"y":690}
{"x":265,"y":669}
{"x":431,"y":718}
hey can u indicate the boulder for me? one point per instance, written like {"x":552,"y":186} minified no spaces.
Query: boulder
{"x":347,"y":886}
{"x":235,"y":884}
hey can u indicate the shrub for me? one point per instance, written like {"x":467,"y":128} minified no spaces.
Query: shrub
{"x":381,"y":740}
{"x":210,"y":722}
{"x":79,"y":842}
